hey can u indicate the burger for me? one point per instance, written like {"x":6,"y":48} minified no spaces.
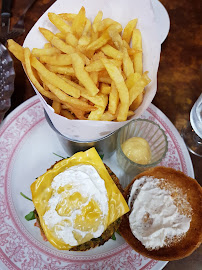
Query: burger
{"x":78,"y":202}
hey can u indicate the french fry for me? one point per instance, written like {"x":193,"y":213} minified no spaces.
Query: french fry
{"x":69,"y":17}
{"x":65,"y":70}
{"x":45,"y":51}
{"x":107,"y":116}
{"x":116,"y":38}
{"x":94,"y":77}
{"x":74,"y":102}
{"x":98,"y":100}
{"x":138,"y":87}
{"x":16,"y":50}
{"x":79,"y":87}
{"x":98,"y":17}
{"x":71,"y":39}
{"x":127,"y":63}
{"x":57,"y":42}
{"x":79,"y":23}
{"x":33,"y":79}
{"x":59,"y":23}
{"x":97,"y":114}
{"x":98,"y":43}
{"x":67,"y":114}
{"x":86,"y":35}
{"x":128,"y":30}
{"x":105,"y":88}
{"x":89,"y":71}
{"x":60,"y":35}
{"x":132,"y":79}
{"x":118,"y":79}
{"x":54,"y":79}
{"x":97,"y":65}
{"x":47,"y":45}
{"x":113,"y":99}
{"x":103,"y":77}
{"x":56,"y":106}
{"x":77,"y":112}
{"x":57,"y":59}
{"x":101,"y":26}
{"x":82,"y":75}
{"x":112,"y":52}
{"x":137,"y":102}
{"x":137,"y":45}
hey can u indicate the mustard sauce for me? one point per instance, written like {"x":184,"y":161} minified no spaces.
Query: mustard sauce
{"x":138,"y":150}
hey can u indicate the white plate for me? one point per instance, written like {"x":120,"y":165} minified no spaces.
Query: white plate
{"x":162,"y":19}
{"x":26,"y":150}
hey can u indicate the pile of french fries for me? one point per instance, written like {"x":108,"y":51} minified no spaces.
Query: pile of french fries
{"x":88,"y":70}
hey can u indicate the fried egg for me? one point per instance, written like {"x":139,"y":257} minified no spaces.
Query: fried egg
{"x":77,"y":200}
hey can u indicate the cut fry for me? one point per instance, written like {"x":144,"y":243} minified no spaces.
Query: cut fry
{"x":60,"y":35}
{"x":105,"y":88}
{"x":45,"y":51}
{"x":69,"y":17}
{"x":112,"y":52}
{"x":67,"y":114}
{"x":71,"y":39}
{"x":46,"y":46}
{"x":98,"y":100}
{"x":116,"y":38}
{"x":98,"y":65}
{"x":97,"y":114}
{"x":137,"y":102}
{"x":132,"y":79}
{"x":103,"y":77}
{"x":98,"y":17}
{"x":138,"y":87}
{"x":77,"y":112}
{"x":86,"y":35}
{"x":75,"y":102}
{"x":16,"y":50}
{"x":88,"y":70}
{"x":94,"y":77}
{"x":104,"y":24}
{"x":57,"y":60}
{"x":118,"y":79}
{"x":61,"y":70}
{"x":54,"y":79}
{"x":128,"y":30}
{"x":107,"y":116}
{"x":33,"y":78}
{"x":56,"y":106}
{"x":55,"y":41}
{"x":137,"y":45}
{"x":79,"y":87}
{"x":79,"y":23}
{"x":82,"y":75}
{"x":59,"y":23}
{"x":127,"y":63}
{"x":113,"y":99}
{"x":98,"y":43}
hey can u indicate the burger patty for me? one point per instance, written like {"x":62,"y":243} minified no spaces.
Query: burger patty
{"x":106,"y":235}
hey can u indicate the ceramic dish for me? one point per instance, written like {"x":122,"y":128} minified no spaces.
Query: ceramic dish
{"x":27,"y":145}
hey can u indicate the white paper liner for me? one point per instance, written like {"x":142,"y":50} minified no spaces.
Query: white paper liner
{"x":122,"y":11}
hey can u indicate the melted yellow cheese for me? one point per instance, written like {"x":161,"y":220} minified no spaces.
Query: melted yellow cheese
{"x":91,"y":216}
{"x":137,"y":149}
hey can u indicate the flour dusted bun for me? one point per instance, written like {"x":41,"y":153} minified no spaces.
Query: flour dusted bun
{"x":165,"y":218}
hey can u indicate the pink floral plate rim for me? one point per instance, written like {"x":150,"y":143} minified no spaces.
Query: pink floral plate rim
{"x":20,"y":251}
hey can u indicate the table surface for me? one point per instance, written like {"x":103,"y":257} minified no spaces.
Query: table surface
{"x":179,"y":74}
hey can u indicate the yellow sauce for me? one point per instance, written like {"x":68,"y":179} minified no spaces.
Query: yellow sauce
{"x":137,"y":149}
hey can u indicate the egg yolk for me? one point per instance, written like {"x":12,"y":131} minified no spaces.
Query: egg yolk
{"x":137,"y":149}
